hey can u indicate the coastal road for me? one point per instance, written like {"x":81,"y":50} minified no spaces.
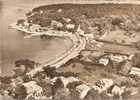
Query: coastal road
{"x":73,"y":52}
{"x":79,"y":44}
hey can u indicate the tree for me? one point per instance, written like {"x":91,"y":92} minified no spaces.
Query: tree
{"x":116,"y":21}
{"x":137,"y":44}
{"x":20,"y":21}
{"x":20,"y":92}
{"x":5,"y":79}
{"x":28,"y":64}
{"x":136,"y":60}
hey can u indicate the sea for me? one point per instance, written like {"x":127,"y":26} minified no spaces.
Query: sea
{"x":13,"y":46}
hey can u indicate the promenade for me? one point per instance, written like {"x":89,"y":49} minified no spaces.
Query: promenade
{"x":78,"y":41}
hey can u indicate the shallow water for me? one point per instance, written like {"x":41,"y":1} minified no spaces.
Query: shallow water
{"x":12,"y":44}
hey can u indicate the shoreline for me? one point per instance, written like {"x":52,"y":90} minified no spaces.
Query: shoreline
{"x":78,"y":42}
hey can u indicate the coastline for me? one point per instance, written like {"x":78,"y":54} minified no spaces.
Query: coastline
{"x":78,"y":44}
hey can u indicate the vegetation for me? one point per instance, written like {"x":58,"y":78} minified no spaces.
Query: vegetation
{"x":136,"y":60}
{"x":95,"y":19}
{"x":20,"y":21}
{"x":20,"y":92}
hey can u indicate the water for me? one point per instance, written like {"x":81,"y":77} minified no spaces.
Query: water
{"x":12,"y":44}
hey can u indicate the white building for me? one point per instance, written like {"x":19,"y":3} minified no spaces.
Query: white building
{"x":70,"y":26}
{"x":56,"y":24}
{"x":32,"y":87}
{"x":66,"y":19}
{"x":83,"y":89}
{"x":59,"y":10}
{"x":34,"y":27}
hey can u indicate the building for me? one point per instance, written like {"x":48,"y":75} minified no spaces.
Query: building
{"x":34,"y":28}
{"x":70,"y":26}
{"x":56,"y":24}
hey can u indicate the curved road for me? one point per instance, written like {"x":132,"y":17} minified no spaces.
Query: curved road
{"x":78,"y":41}
{"x":71,"y":53}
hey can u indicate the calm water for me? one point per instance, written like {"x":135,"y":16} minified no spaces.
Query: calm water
{"x":12,"y":44}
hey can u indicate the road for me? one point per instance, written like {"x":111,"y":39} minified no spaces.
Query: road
{"x":78,"y":41}
{"x":78,"y":45}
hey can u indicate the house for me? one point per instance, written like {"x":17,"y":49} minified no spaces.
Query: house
{"x":35,"y":27}
{"x":70,"y":26}
{"x":67,"y":20}
{"x":41,"y":11}
{"x":59,"y":10}
{"x":135,"y":71}
{"x":56,"y":24}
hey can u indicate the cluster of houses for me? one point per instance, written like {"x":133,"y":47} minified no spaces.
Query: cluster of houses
{"x":46,"y":84}
{"x":67,"y":25}
{"x":54,"y":25}
{"x":123,"y":63}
